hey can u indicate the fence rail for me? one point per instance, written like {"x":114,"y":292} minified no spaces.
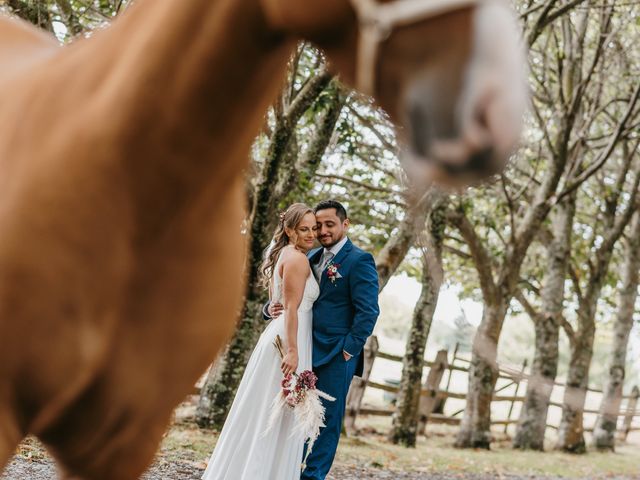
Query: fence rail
{"x":434,"y":397}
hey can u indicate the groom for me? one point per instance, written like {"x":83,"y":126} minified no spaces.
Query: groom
{"x":343,"y":318}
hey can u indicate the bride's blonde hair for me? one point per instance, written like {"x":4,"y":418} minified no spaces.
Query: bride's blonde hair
{"x":289,"y":219}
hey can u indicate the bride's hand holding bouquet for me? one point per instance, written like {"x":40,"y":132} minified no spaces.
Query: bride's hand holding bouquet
{"x":290,"y":361}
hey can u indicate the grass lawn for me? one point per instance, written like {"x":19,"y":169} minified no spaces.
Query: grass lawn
{"x":185,"y":442}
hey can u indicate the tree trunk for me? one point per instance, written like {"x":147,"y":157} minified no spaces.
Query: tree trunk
{"x":605,"y":429}
{"x":393,"y":252}
{"x":533,"y":416}
{"x":475,"y":428}
{"x":300,"y":179}
{"x":405,"y":418}
{"x":571,"y":432}
{"x":219,"y":390}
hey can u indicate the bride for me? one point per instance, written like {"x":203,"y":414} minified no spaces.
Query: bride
{"x":246,"y":448}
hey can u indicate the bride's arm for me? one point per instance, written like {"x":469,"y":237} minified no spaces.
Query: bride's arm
{"x":294,"y":278}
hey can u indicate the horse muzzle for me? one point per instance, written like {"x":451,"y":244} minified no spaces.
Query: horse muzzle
{"x":453,"y":163}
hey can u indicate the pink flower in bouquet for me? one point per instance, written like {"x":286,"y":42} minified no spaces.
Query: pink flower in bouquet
{"x":308,"y":379}
{"x":295,"y":387}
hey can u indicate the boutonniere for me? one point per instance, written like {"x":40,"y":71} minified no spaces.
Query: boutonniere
{"x":333,"y":273}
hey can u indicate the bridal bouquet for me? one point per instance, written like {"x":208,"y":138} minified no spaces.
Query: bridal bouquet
{"x":299,"y":393}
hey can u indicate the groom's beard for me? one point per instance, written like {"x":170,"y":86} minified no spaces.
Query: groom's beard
{"x":329,"y":242}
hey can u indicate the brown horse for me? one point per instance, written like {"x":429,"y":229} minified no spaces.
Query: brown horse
{"x":121,"y":190}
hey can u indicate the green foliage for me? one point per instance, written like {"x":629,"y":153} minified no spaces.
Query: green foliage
{"x":67,"y":18}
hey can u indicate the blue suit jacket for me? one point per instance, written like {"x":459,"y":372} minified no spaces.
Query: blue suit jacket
{"x":346,"y":310}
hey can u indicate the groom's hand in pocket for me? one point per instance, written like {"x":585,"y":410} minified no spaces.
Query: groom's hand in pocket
{"x":347,"y":356}
{"x":275,"y":309}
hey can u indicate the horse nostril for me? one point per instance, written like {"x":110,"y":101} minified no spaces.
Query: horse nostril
{"x":481,"y":161}
{"x":478,"y":164}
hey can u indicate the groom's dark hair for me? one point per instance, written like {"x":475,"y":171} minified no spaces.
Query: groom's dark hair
{"x":326,"y":204}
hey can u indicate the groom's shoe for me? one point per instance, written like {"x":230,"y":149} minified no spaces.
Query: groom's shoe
{"x":320,"y":461}
{"x":317,"y":469}
{"x":311,"y":474}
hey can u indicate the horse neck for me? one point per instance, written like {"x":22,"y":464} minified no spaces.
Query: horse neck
{"x":186,"y":86}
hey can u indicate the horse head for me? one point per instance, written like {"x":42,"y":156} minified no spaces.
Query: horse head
{"x":118,"y":221}
{"x":451,"y":73}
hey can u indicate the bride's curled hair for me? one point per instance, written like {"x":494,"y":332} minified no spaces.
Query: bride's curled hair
{"x":289,"y":219}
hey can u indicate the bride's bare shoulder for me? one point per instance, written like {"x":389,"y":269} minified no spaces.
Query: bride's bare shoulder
{"x":292,"y":257}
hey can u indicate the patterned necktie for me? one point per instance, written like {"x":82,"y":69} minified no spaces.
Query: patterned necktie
{"x":326,"y":258}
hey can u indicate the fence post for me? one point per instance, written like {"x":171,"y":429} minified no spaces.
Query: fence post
{"x":453,"y":361}
{"x":428,"y":396}
{"x":440,"y":402}
{"x":358,"y":385}
{"x":632,"y":403}
{"x":517,"y":382}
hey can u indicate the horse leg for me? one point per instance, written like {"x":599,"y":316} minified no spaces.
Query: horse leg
{"x":126,"y":463}
{"x":103,"y":437}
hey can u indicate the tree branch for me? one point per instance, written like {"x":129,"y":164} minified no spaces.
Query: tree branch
{"x":374,"y":129}
{"x":505,"y":190}
{"x":522,"y":300}
{"x":604,"y":156}
{"x":576,"y":281}
{"x":307,"y":95}
{"x":568,"y":329}
{"x":481,"y":257}
{"x":457,"y":252}
{"x":539,"y":25}
{"x":356,"y":182}
{"x":561,"y":11}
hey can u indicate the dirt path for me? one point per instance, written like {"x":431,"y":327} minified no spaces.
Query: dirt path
{"x":42,"y":469}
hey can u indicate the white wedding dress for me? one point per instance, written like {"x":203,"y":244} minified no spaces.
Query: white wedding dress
{"x":247,"y":449}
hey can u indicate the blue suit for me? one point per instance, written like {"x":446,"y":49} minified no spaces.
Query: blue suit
{"x":343,"y":318}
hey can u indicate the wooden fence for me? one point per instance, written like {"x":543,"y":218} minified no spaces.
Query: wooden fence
{"x":435,"y":394}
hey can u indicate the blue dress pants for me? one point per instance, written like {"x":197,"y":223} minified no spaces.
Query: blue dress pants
{"x":334,"y":378}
